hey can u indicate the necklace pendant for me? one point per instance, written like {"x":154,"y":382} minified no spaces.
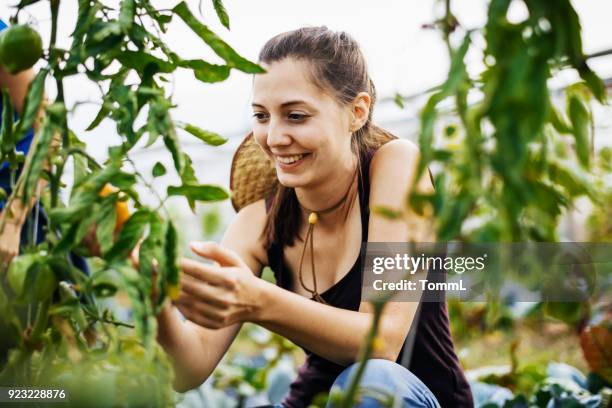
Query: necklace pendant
{"x":313,"y":218}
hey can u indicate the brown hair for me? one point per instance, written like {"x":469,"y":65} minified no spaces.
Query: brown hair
{"x":338,"y":68}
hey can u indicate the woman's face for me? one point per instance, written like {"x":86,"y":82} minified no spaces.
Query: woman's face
{"x":303,"y":129}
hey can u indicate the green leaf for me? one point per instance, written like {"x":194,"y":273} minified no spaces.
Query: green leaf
{"x":103,"y":40}
{"x":211,"y":138}
{"x":24,"y":3}
{"x":158,"y":170}
{"x":171,"y":269}
{"x":220,"y":47}
{"x":38,"y":155}
{"x":188,"y":177}
{"x":126,"y":15}
{"x":221,"y":13}
{"x":571,"y":177}
{"x":399,"y":101}
{"x":558,"y":121}
{"x":142,"y":62}
{"x":206,"y":72}
{"x":105,"y":223}
{"x":159,"y":123}
{"x":31,"y":105}
{"x":77,"y":231}
{"x":102,"y":114}
{"x":7,"y":144}
{"x":387,"y":212}
{"x":579,"y":116}
{"x":201,"y":192}
{"x":122,"y":180}
{"x":267,"y":274}
{"x":149,"y":250}
{"x":68,"y":239}
{"x":130,"y":235}
{"x":104,"y":30}
{"x":125,"y":114}
{"x":594,"y":82}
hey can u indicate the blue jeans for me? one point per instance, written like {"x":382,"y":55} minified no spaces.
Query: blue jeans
{"x":390,"y":378}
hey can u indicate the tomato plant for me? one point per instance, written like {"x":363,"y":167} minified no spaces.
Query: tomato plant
{"x":61,"y":330}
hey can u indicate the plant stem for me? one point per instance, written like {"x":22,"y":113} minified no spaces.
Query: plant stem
{"x":105,"y":320}
{"x":42,"y":317}
{"x":366,"y":353}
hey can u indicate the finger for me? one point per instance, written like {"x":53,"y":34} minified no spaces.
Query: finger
{"x":208,"y":273}
{"x":216,"y":252}
{"x":203,"y":292}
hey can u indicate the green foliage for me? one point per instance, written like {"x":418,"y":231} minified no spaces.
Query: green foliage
{"x":502,"y":168}
{"x":71,"y":337}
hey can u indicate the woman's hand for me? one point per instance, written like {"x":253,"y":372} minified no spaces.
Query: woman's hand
{"x":218,"y":295}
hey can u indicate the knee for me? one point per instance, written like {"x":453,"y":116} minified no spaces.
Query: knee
{"x":376,"y":371}
{"x":393,"y":379}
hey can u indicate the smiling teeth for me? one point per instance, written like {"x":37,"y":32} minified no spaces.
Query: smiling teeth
{"x":290,"y":159}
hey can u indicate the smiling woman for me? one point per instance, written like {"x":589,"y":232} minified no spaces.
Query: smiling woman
{"x":312,"y":125}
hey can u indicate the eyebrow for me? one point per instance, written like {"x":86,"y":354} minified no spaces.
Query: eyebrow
{"x":283,"y":105}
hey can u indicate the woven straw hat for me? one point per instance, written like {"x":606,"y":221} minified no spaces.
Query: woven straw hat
{"x":253,"y":175}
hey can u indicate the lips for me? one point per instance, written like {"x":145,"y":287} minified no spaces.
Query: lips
{"x":290,"y":161}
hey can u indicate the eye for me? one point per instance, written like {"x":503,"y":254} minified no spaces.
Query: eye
{"x":260,"y":116}
{"x":297,"y":117}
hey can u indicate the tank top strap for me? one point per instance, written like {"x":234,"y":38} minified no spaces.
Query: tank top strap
{"x":364,"y":192}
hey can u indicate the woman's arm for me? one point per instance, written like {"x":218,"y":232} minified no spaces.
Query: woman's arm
{"x":216,"y":297}
{"x":197,"y":350}
{"x":16,"y":85}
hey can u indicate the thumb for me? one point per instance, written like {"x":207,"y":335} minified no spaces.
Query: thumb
{"x":217,"y":253}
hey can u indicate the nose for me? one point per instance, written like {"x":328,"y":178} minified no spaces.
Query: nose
{"x":277,"y":135}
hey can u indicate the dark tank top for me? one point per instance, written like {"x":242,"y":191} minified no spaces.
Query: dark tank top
{"x":427,"y":352}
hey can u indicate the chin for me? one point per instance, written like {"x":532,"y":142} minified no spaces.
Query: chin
{"x":290,"y":180}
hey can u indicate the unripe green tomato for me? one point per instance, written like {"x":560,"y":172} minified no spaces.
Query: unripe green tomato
{"x":20,"y":48}
{"x":18,"y":271}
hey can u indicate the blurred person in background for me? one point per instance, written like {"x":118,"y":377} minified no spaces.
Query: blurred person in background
{"x":23,"y":224}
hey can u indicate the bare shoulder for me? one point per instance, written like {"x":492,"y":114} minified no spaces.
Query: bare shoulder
{"x":244,"y":235}
{"x":392,"y":172}
{"x":396,"y":152}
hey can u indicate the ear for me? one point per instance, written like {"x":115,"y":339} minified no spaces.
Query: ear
{"x":360,"y":110}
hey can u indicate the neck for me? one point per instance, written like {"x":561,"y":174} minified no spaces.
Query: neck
{"x":331,"y":198}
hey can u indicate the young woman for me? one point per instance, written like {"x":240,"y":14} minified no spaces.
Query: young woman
{"x":312,"y":119}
